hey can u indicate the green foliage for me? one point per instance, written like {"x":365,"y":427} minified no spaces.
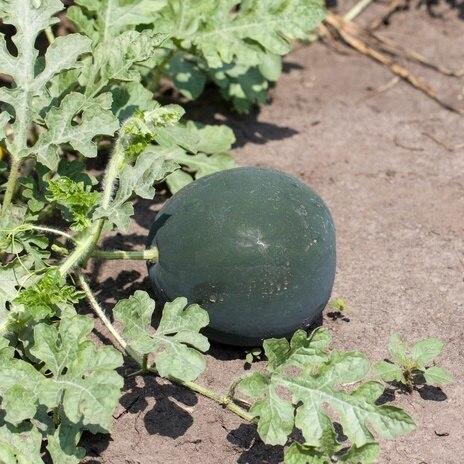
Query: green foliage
{"x":44,"y":298}
{"x":77,"y":198}
{"x":338,"y":304}
{"x":237,"y":44}
{"x":28,"y":100}
{"x":17,"y":237}
{"x":252,"y":355}
{"x":77,"y":384}
{"x":410,"y":363}
{"x":284,"y":398}
{"x":177,"y":343}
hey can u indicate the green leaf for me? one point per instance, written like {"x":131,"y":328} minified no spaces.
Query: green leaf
{"x":366,"y":454}
{"x":242,"y":85}
{"x":202,"y":164}
{"x":77,"y":198}
{"x":17,"y":237}
{"x":389,"y":372}
{"x":223,"y":34}
{"x":303,"y":453}
{"x":130,"y":97}
{"x":425,"y":351}
{"x":4,"y":119}
{"x":61,"y":55}
{"x":302,"y":350}
{"x":142,"y":166}
{"x":104,"y":19}
{"x":47,"y":296}
{"x":20,"y":445}
{"x":315,"y":386}
{"x":178,"y":180}
{"x":62,"y":445}
{"x":83,"y":379}
{"x":135,"y":314}
{"x":204,"y":150}
{"x":271,"y":67}
{"x":338,"y":304}
{"x":276,"y":416}
{"x":437,"y":376}
{"x":115,"y":60}
{"x":28,"y":91}
{"x":188,"y":78}
{"x":177,"y":342}
{"x":12,"y":275}
{"x":398,"y":350}
{"x":19,"y":390}
{"x":298,"y":453}
{"x":6,"y":351}
{"x":95,"y":119}
{"x":149,"y":168}
{"x":118,"y":215}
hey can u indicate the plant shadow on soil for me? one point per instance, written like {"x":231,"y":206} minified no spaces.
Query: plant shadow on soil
{"x":426,"y":392}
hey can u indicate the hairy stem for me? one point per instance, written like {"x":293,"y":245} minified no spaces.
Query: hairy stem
{"x":83,"y":248}
{"x":224,"y":400}
{"x":147,"y":255}
{"x":11,"y":184}
{"x":90,"y":238}
{"x":99,"y":310}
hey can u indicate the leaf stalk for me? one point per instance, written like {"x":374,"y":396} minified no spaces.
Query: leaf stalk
{"x":151,"y":254}
{"x":11,"y":184}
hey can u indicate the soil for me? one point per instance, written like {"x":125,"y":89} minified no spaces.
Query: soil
{"x":397,"y":198}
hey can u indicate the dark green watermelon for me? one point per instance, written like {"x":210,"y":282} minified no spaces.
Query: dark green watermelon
{"x":253,"y":246}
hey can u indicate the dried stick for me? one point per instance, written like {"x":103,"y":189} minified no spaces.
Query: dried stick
{"x":350,"y":32}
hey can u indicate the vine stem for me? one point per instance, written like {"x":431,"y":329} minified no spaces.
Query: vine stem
{"x":86,"y":244}
{"x":83,"y":248}
{"x":147,"y":255}
{"x":11,"y":183}
{"x":224,"y":400}
{"x":99,"y":310}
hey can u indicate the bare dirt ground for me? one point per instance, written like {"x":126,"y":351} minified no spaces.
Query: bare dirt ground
{"x":397,"y":198}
